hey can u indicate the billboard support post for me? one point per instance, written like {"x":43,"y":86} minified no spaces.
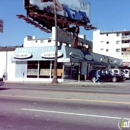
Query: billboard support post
{"x":56,"y":46}
{"x":1,"y":26}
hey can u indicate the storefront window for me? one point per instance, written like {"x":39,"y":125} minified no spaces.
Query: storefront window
{"x":44,"y":70}
{"x":59,"y":70}
{"x":32,"y":69}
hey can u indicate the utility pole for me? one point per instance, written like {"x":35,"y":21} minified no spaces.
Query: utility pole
{"x":56,"y":46}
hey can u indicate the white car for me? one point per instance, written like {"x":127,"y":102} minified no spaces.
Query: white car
{"x":115,"y":71}
{"x":126,"y":73}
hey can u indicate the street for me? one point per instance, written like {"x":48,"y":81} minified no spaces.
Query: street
{"x":49,"y":107}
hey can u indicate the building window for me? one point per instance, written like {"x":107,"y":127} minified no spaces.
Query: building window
{"x":42,"y":41}
{"x":32,"y":69}
{"x":117,"y":34}
{"x":117,"y":42}
{"x":107,"y":42}
{"x":59,"y":69}
{"x":118,"y":50}
{"x":49,"y":40}
{"x":44,"y":69}
{"x":123,"y":49}
{"x":107,"y":50}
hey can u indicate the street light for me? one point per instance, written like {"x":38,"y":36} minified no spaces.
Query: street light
{"x":56,"y":46}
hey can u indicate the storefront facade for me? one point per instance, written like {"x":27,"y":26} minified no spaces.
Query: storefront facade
{"x":37,"y":63}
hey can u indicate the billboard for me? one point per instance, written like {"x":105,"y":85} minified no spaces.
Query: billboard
{"x":1,"y":25}
{"x":78,"y":10}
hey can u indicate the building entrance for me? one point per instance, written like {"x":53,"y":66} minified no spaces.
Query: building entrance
{"x":71,"y":72}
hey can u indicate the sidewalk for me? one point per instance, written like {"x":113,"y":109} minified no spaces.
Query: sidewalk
{"x":65,"y":83}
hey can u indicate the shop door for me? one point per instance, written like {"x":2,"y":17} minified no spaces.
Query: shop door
{"x":71,"y":72}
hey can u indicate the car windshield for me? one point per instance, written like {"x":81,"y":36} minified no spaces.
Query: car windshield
{"x":115,"y":71}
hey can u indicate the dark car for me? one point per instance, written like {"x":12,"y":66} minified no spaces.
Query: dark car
{"x":106,"y":75}
{"x":1,"y":81}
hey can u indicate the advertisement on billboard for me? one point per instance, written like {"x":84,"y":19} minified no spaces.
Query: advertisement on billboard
{"x":1,"y":25}
{"x":78,"y":10}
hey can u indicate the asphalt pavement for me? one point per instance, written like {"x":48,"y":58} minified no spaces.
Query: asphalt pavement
{"x":74,"y":83}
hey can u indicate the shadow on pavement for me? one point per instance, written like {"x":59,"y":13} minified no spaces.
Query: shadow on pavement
{"x":4,"y":89}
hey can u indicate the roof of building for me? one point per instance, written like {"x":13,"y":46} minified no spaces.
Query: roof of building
{"x":107,"y":32}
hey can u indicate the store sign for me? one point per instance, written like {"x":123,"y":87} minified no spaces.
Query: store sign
{"x":51,"y":54}
{"x":96,"y":57}
{"x":76,"y":55}
{"x":88,"y":57}
{"x":22,"y":55}
{"x":104,"y":60}
{"x":111,"y":61}
{"x":63,"y":60}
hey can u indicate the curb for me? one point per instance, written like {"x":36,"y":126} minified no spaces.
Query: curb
{"x":75,"y":84}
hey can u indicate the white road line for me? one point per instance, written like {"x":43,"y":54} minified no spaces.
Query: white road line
{"x":75,"y":114}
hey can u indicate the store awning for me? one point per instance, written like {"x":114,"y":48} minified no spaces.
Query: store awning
{"x":36,"y":54}
{"x":65,"y":54}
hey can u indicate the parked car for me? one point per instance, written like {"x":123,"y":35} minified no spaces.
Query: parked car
{"x":1,"y":81}
{"x":126,"y":73}
{"x":115,"y":71}
{"x":106,"y":75}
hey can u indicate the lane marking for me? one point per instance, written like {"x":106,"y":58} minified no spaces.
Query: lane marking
{"x":69,"y":99}
{"x":75,"y":114}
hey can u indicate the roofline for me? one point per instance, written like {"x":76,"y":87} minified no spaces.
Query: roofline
{"x":106,"y":32}
{"x":40,"y":39}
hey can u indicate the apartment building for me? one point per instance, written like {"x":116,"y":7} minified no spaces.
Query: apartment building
{"x":113,"y":43}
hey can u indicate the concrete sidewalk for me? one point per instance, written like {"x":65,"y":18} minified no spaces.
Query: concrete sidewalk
{"x":65,"y":83}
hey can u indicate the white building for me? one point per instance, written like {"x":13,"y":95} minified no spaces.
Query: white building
{"x":113,"y":43}
{"x":7,"y":65}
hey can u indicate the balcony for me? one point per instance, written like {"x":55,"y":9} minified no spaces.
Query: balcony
{"x":125,"y":45}
{"x":125,"y":55}
{"x":126,"y":37}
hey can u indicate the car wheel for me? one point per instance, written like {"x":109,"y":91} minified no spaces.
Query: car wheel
{"x":114,"y":79}
{"x":124,"y":78}
{"x":93,"y":79}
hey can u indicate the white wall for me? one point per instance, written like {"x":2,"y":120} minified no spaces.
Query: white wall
{"x":10,"y":67}
{"x":33,"y":42}
{"x":2,"y":63}
{"x":100,"y":46}
{"x":7,"y":65}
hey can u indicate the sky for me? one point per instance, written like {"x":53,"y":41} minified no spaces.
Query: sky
{"x":106,"y":15}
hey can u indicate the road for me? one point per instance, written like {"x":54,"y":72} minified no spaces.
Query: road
{"x":48,"y":107}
